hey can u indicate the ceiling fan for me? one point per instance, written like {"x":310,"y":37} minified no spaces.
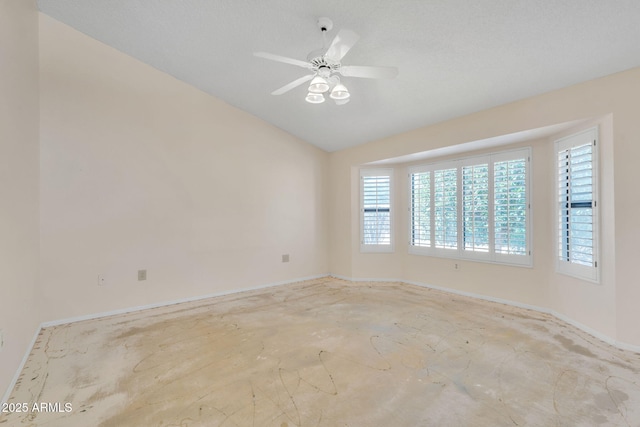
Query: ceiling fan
{"x":326,"y":68}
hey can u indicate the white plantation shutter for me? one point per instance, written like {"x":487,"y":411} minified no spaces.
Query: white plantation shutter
{"x":375,"y":188}
{"x":445,"y":199}
{"x":576,"y":205}
{"x":510,"y":206}
{"x":475,"y":208}
{"x":420,"y":186}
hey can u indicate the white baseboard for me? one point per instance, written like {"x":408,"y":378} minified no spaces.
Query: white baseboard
{"x":16,"y":376}
{"x":599,"y":335}
{"x":172,"y":302}
{"x":620,"y":344}
{"x":351,"y":279}
{"x":482,"y":297}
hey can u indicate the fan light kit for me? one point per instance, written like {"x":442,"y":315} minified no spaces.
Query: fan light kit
{"x":326,"y":66}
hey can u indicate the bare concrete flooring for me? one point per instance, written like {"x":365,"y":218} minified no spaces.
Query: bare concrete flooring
{"x":327,"y":353}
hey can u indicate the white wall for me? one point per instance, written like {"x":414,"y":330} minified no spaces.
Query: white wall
{"x":19,"y":316}
{"x":609,"y":308}
{"x":141,"y":171}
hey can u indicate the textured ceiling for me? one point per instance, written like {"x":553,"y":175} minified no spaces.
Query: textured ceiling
{"x":454,"y":56}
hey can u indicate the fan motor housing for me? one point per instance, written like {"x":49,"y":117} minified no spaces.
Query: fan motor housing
{"x":321,"y":63}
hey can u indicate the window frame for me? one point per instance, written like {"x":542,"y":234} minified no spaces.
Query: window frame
{"x":490,"y":256}
{"x":566,"y":267}
{"x":377,"y":248}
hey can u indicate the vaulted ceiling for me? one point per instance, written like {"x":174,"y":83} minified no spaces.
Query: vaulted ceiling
{"x":454,"y":56}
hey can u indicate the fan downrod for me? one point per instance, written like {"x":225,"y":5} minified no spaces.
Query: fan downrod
{"x":316,"y":57}
{"x":325,"y":24}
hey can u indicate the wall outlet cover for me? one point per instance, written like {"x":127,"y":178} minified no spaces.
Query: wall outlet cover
{"x":285,"y":258}
{"x":142,"y":275}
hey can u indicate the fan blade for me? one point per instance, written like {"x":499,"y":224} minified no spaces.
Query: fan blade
{"x":341,"y":44}
{"x":284,"y":59}
{"x":293,"y":84}
{"x":368,"y":72}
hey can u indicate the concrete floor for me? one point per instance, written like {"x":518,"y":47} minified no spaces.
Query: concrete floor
{"x":328,"y":353}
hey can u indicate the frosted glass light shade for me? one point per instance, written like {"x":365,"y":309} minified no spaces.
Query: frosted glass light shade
{"x":315,"y":98}
{"x":340,"y":92}
{"x":318,"y":85}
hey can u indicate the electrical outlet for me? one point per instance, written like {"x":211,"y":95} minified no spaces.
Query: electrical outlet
{"x":1,"y":339}
{"x":142,"y":275}
{"x":102,"y":280}
{"x":456,"y":266}
{"x":285,"y":258}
